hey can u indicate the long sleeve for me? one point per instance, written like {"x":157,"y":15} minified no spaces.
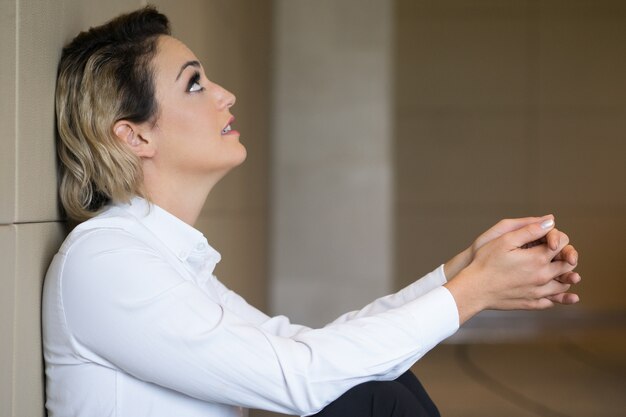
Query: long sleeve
{"x":281,"y":326}
{"x":127,"y":307}
{"x":412,"y":292}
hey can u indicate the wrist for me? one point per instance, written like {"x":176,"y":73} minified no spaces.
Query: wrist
{"x":466,"y":294}
{"x":452,"y":268}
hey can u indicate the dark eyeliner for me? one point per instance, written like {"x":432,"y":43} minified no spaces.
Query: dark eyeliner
{"x":195,"y":79}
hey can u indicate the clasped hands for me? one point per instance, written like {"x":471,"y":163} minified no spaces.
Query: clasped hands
{"x":518,"y":264}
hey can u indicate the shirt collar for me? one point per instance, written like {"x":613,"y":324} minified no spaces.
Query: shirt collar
{"x":182,"y":239}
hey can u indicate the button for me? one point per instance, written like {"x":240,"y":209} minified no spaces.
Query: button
{"x":201,"y":246}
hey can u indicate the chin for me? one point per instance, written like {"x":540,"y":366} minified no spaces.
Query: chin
{"x":241,"y":157}
{"x":234,"y":161}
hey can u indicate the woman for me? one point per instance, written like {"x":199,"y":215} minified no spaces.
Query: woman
{"x":135,"y":323}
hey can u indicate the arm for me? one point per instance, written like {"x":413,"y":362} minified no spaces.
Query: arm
{"x":281,"y":326}
{"x":128,"y":308}
{"x":422,"y":286}
{"x":277,"y":325}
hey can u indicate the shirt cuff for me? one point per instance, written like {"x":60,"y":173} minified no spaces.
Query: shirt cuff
{"x":424,"y":285}
{"x":441,"y":274}
{"x":436,"y":315}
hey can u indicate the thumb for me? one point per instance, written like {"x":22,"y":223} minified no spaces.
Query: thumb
{"x":530,"y":233}
{"x":509,"y":225}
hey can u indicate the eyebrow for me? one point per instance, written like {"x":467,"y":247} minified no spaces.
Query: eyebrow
{"x":185,"y":65}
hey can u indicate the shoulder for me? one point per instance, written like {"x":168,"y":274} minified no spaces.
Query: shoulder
{"x":113,"y":229}
{"x":107,"y":246}
{"x":110,"y":255}
{"x":109,"y":221}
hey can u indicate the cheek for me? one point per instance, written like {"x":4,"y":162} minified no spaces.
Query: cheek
{"x":182,"y":127}
{"x":195,"y":124}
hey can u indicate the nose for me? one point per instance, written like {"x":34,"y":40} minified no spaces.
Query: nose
{"x":230,"y":102}
{"x":225,"y":99}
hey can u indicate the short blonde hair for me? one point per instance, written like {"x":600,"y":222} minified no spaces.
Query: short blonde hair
{"x":105,"y":75}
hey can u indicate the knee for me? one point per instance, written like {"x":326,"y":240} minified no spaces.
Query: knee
{"x":375,"y":399}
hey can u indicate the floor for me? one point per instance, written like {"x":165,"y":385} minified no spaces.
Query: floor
{"x":579,"y":372}
{"x":546,"y":378}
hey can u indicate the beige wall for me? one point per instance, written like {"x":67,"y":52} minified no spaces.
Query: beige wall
{"x":331,"y":233}
{"x":232,"y":39}
{"x":508,"y":109}
{"x":31,"y":229}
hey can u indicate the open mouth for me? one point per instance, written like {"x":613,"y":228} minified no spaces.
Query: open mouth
{"x":228,"y":127}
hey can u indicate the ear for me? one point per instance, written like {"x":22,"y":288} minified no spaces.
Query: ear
{"x":133,"y":136}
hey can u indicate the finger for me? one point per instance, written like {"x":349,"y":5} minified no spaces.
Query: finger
{"x":537,"y":304}
{"x":559,"y":239}
{"x":553,"y":238}
{"x":557,"y":269}
{"x":509,"y":225}
{"x":506,"y":226}
{"x":568,"y":254}
{"x":529,"y":233}
{"x":556,"y":240}
{"x":565,"y":298}
{"x":569,"y":278}
{"x":551,"y":288}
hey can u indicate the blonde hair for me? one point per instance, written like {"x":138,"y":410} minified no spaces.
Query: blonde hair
{"x":104,"y":76}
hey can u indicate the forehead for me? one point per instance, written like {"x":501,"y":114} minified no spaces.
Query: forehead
{"x":170,"y":56}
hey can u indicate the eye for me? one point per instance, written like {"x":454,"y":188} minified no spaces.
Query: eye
{"x":194,"y":83}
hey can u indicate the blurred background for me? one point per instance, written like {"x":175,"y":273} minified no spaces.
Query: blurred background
{"x":383,"y":136}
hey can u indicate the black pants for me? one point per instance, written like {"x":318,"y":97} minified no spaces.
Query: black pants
{"x":404,"y":397}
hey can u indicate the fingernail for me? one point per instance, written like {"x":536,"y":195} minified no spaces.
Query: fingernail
{"x":546,"y":224}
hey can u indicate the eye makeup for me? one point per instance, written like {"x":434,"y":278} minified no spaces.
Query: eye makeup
{"x":194,"y":83}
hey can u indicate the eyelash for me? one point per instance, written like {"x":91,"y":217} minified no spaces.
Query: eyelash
{"x":195,"y":79}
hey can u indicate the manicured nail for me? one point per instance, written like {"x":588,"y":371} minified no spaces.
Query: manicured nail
{"x":546,"y":224}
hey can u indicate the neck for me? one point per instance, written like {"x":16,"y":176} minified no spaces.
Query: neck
{"x":183,"y":199}
{"x":185,"y":207}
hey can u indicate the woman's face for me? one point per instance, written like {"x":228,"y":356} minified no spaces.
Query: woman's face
{"x":192,"y":135}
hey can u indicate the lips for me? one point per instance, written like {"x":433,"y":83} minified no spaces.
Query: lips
{"x":228,"y":127}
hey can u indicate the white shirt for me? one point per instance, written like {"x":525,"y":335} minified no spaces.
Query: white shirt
{"x":135,"y":324}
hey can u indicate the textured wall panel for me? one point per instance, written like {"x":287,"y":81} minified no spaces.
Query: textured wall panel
{"x":461,"y":54}
{"x":440,"y":152}
{"x":7,"y":110}
{"x":79,"y":15}
{"x":584,"y":152}
{"x":39,"y":47}
{"x":36,"y":244}
{"x":581,"y":54}
{"x":44,"y":28}
{"x":7,"y":304}
{"x":332,"y":199}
